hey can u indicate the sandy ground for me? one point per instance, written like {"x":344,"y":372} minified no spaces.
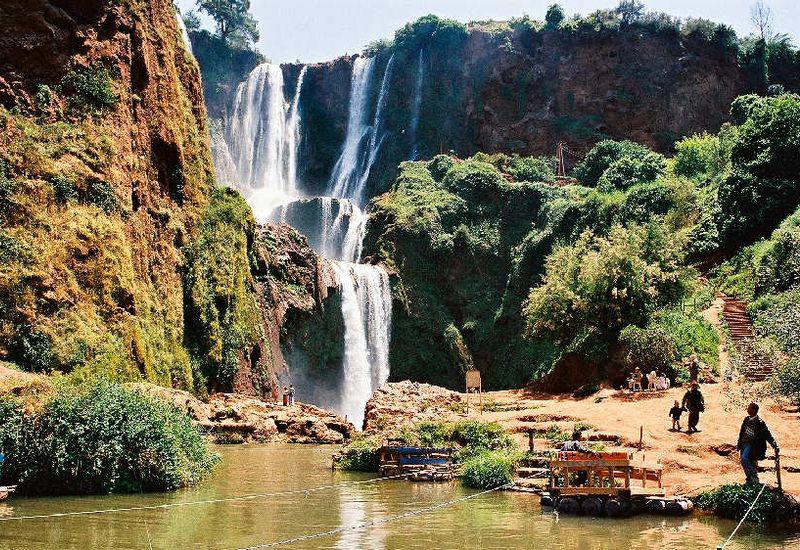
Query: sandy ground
{"x":691,"y":462}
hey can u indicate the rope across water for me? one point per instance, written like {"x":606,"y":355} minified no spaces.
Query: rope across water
{"x":373,"y":523}
{"x":196,"y":502}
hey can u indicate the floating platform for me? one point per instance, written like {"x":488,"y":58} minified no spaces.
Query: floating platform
{"x":608,"y":484}
{"x":417,"y":463}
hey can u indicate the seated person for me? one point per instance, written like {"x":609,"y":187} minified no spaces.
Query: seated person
{"x":580,"y":478}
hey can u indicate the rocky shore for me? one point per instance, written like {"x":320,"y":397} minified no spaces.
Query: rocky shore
{"x":236,"y":418}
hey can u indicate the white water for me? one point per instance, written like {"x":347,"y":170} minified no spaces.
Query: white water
{"x":263,"y":138}
{"x":367,"y":313}
{"x":416,"y":105}
{"x":184,"y":32}
{"x":348,"y":168}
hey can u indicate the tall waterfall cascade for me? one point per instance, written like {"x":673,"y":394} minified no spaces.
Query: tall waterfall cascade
{"x":262,"y":142}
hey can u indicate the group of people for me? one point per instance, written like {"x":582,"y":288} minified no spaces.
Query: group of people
{"x":288,"y":395}
{"x":694,"y":403}
{"x":651,"y":381}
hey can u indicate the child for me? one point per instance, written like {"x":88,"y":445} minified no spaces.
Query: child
{"x":675,"y":413}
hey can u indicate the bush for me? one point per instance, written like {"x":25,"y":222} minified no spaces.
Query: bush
{"x":732,"y":501}
{"x":699,"y":157}
{"x":440,"y":165}
{"x":476,"y":182}
{"x":644,"y":201}
{"x":532,"y":168}
{"x":632,"y":170}
{"x":602,"y":284}
{"x":788,"y":380}
{"x":90,"y":88}
{"x":488,"y":470}
{"x":602,"y":156}
{"x":103,"y":196}
{"x":101,"y":438}
{"x":64,"y":189}
{"x":430,"y":30}
{"x":359,"y":456}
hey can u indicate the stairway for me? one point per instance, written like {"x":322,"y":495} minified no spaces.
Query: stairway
{"x":756,"y":367}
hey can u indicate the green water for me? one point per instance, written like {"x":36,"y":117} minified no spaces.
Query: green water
{"x":498,"y":520}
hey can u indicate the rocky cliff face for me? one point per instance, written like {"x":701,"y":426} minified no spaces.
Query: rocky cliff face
{"x":118,"y":253}
{"x":516,"y":92}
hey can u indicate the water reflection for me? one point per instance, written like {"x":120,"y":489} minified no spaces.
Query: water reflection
{"x":496,"y":521}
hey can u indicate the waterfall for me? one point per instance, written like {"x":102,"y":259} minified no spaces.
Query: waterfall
{"x":184,"y":32}
{"x":347,"y":170}
{"x":261,"y":146}
{"x":263,"y":137}
{"x":367,"y":313}
{"x":375,"y":136}
{"x":416,"y":105}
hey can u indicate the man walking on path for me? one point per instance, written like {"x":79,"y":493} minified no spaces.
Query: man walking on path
{"x":694,"y":403}
{"x":694,"y":368}
{"x":753,"y":438}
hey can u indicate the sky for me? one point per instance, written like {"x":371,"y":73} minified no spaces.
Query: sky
{"x":319,"y":30}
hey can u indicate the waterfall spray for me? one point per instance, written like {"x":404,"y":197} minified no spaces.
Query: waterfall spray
{"x":416,"y":106}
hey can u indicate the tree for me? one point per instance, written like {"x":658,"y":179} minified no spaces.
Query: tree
{"x":554,"y":17}
{"x":761,"y":16}
{"x":191,"y":21}
{"x":629,"y":11}
{"x":234,"y":22}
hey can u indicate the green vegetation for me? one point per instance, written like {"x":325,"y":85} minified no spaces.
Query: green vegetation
{"x":488,"y":470}
{"x":90,"y":89}
{"x":470,"y":438}
{"x":223,"y":316}
{"x":98,"y":437}
{"x":732,"y":501}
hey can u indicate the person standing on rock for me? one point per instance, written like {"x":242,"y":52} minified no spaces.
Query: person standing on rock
{"x":291,"y":394}
{"x":285,"y":396}
{"x":693,"y":402}
{"x":753,"y":437}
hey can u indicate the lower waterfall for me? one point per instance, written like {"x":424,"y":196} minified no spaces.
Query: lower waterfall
{"x":367,"y":312}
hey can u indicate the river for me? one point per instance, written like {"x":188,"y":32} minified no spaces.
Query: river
{"x":493,"y":521}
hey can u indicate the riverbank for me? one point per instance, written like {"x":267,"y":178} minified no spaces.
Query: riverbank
{"x":692,"y":463}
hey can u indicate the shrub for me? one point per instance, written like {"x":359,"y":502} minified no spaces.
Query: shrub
{"x":644,"y":201}
{"x":359,"y":456}
{"x":632,"y":170}
{"x":788,"y":380}
{"x":103,"y":196}
{"x":602,"y":284}
{"x":439,"y":166}
{"x":732,"y":501}
{"x":7,"y":189}
{"x":602,"y":156}
{"x":532,"y":168}
{"x":488,"y":470}
{"x":90,"y":88}
{"x":477,"y":182}
{"x":33,"y":349}
{"x":430,"y":30}
{"x":64,"y":189}
{"x":699,"y":157}
{"x":101,"y":438}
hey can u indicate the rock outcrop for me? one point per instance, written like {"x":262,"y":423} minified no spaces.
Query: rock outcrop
{"x":236,"y":418}
{"x":399,"y":404}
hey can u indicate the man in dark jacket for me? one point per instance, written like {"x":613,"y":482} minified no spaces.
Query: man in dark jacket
{"x":753,"y":438}
{"x":694,"y":403}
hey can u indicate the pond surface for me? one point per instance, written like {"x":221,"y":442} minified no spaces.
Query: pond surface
{"x":494,"y":521}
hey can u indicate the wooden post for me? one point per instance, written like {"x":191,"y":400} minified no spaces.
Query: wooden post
{"x":641,"y":435}
{"x":530,"y":440}
{"x":778,"y":470}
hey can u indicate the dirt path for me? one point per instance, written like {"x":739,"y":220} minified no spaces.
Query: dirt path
{"x":691,"y":462}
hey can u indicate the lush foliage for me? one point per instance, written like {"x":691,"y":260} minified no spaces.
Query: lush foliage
{"x":488,"y":470}
{"x":91,"y":88}
{"x":763,"y":186}
{"x":235,"y":24}
{"x":601,"y":284}
{"x":360,"y":455}
{"x":224,"y":318}
{"x":100,"y":438}
{"x":619,"y":164}
{"x":732,"y":501}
